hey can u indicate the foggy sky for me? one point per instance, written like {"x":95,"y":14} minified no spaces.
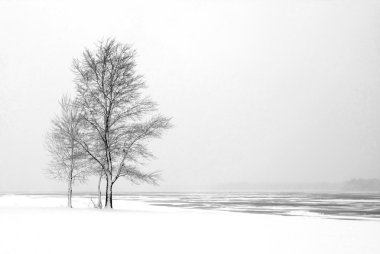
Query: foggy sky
{"x":259,"y":91}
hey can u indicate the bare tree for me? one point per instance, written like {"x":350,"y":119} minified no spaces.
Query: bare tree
{"x":67,"y":156}
{"x":118,"y":120}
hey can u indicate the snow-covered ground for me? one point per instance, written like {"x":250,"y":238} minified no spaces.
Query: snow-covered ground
{"x":41,"y":224}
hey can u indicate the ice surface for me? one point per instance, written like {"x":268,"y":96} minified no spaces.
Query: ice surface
{"x":41,"y":224}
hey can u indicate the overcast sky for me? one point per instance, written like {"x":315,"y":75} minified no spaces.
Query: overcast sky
{"x":259,"y":91}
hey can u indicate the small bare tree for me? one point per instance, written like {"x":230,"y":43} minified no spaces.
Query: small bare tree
{"x":99,"y":174}
{"x":67,"y":156}
{"x":118,"y":120}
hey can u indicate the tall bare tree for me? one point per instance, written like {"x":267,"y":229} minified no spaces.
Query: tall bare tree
{"x":119,"y":121}
{"x":67,"y":156}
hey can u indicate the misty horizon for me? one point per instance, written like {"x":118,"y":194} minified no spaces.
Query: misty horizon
{"x":350,"y":186}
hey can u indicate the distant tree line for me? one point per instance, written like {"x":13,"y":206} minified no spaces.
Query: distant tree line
{"x":362,"y":185}
{"x":105,"y":129}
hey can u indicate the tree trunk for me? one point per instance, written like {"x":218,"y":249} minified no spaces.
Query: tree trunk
{"x":108,"y":193}
{"x":70,"y":187}
{"x":69,"y":194}
{"x":100,"y":205}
